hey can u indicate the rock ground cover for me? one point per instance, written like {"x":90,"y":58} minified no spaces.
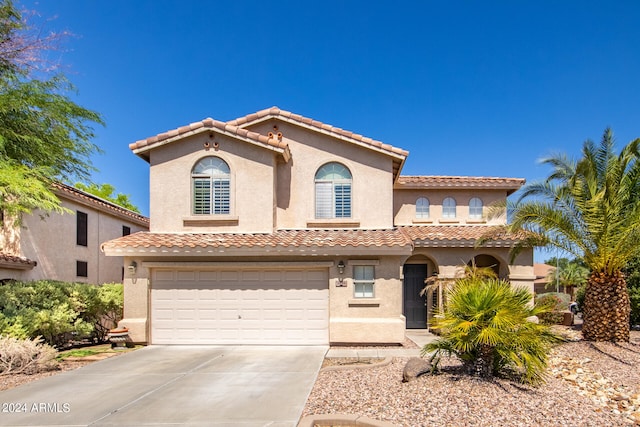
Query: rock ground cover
{"x":594,"y":384}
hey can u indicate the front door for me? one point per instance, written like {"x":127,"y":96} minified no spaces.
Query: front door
{"x":415,"y":308}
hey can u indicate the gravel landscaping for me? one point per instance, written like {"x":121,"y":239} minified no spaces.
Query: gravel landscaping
{"x":589,"y":384}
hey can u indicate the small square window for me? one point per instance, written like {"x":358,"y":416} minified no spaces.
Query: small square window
{"x":363,"y":281}
{"x":82,"y":269}
{"x":126,"y":230}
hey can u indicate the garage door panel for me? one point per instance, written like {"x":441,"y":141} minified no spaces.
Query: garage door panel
{"x":240,"y":307}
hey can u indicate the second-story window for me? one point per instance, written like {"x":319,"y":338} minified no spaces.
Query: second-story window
{"x":82,"y":228}
{"x":475,"y":208}
{"x":422,"y":207}
{"x":211,"y":187}
{"x":333,"y":191}
{"x":449,"y":208}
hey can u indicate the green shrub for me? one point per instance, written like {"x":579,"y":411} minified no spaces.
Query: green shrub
{"x":485,"y":325}
{"x":25,"y":356}
{"x":59,"y":311}
{"x":634,"y":297}
{"x":558,"y":304}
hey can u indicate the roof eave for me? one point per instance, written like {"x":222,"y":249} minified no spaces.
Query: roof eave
{"x":459,"y":243}
{"x":143,"y":151}
{"x":256,"y":250}
{"x":395,"y":152}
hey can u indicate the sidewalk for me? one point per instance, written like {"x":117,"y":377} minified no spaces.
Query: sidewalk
{"x":418,"y":336}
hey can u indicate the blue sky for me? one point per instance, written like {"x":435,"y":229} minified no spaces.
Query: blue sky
{"x":480,"y":88}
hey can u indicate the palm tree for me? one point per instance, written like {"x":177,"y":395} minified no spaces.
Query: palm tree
{"x":485,"y":324}
{"x":590,"y":208}
{"x":569,"y":275}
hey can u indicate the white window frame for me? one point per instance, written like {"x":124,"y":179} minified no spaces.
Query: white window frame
{"x":422,"y":208}
{"x":449,"y":208}
{"x":211,"y":187}
{"x":475,"y":208}
{"x":333,"y":193}
{"x":364,"y":279}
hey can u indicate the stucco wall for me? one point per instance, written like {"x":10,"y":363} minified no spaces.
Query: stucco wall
{"x":367,"y":320}
{"x":252,"y":186}
{"x":51,"y":241}
{"x":404,"y":205}
{"x":372,"y":186}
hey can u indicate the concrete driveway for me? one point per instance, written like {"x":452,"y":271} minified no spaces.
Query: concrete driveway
{"x":171,"y":386}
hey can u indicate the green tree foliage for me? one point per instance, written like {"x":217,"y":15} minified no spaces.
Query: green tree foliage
{"x":485,"y":325}
{"x":632,"y":272}
{"x":58,"y":310}
{"x":590,"y":209}
{"x":44,"y":135}
{"x":569,"y":274}
{"x":106,"y":191}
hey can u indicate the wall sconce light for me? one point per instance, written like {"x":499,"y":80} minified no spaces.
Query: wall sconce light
{"x":341,"y":267}
{"x":132,"y":267}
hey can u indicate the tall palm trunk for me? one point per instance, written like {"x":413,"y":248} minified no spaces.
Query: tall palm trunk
{"x":606,"y":308}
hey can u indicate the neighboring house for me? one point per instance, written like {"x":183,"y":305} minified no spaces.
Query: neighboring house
{"x":278,"y":229}
{"x":542,"y":284}
{"x":66,"y":246}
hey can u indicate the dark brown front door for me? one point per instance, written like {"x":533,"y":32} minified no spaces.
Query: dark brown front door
{"x":415,"y":308}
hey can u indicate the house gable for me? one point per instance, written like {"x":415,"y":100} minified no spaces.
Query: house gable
{"x":252,"y":121}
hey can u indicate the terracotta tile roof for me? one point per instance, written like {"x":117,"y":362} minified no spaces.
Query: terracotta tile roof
{"x":280,"y":239}
{"x":430,"y":182}
{"x":142,"y":146}
{"x":275,"y":112}
{"x":12,"y":261}
{"x":455,"y":235}
{"x":67,"y":191}
{"x":542,"y":271}
{"x":299,"y":240}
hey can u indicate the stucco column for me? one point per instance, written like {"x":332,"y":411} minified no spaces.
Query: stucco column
{"x":136,"y":308}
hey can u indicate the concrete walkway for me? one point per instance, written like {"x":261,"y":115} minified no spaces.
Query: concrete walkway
{"x":418,"y":336}
{"x":243,"y":386}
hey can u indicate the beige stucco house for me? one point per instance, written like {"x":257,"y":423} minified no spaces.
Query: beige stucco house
{"x":66,"y":246}
{"x":279,"y":229}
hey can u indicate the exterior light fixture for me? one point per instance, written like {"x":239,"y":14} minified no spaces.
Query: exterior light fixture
{"x":341,"y":267}
{"x":132,"y":267}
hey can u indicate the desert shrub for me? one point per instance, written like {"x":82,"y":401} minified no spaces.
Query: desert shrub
{"x":558,"y":304}
{"x":25,"y":356}
{"x":104,"y":308}
{"x":485,"y":325}
{"x":59,"y":311}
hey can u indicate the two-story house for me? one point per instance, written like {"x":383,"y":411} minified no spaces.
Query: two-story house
{"x":66,"y":246}
{"x":278,"y":229}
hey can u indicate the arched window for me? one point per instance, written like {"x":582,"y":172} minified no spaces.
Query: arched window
{"x":211,"y":187}
{"x":422,"y":207}
{"x":475,"y":208}
{"x":333,"y":191}
{"x":449,"y":208}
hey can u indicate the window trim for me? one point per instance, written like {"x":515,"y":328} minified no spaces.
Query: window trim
{"x":364,"y":294}
{"x":449,"y":211}
{"x":215,"y":188}
{"x":423,"y":210}
{"x":340,"y":206}
{"x":82,"y":267}
{"x":473,"y":214}
{"x":82,"y":228}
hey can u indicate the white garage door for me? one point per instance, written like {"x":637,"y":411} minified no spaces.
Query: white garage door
{"x":240,"y":307}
